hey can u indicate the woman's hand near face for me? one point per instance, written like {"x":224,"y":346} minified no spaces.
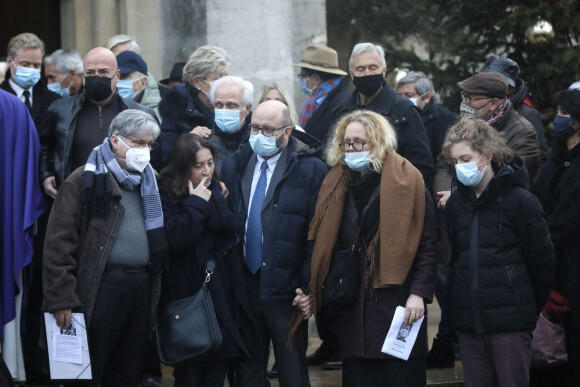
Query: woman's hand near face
{"x":414,"y":309}
{"x":201,"y":190}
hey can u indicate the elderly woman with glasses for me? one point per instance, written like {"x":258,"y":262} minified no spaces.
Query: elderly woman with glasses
{"x":105,"y":246}
{"x":374,"y":204}
{"x":187,"y":108}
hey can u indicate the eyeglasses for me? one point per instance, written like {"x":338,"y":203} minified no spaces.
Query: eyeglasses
{"x":268,"y":132}
{"x":357,"y":145}
{"x":142,"y":144}
{"x":302,"y":76}
{"x":468,"y":99}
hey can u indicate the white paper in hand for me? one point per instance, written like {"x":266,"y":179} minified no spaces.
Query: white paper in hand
{"x":401,"y":339}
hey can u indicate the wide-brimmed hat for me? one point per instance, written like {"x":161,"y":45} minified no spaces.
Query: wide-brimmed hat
{"x":490,"y":84}
{"x":320,"y":58}
{"x":176,"y":73}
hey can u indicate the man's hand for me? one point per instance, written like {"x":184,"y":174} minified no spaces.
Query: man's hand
{"x":302,"y":301}
{"x":63,"y":318}
{"x":202,"y":131}
{"x":444,"y":197}
{"x":49,"y":186}
{"x":224,"y":189}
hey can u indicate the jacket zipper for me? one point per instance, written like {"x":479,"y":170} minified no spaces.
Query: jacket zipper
{"x":512,"y":276}
{"x":473,"y":268}
{"x":100,"y":118}
{"x":103,"y":249}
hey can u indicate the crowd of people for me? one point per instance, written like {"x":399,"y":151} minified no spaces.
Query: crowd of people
{"x":118,"y":189}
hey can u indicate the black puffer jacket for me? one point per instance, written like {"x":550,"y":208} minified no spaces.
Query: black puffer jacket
{"x":503,"y":254}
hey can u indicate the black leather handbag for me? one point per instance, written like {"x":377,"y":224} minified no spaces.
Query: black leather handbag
{"x":187,"y":329}
{"x":342,"y":282}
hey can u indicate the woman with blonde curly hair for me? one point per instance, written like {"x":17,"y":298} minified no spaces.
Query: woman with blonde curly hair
{"x":373,"y":204}
{"x":502,"y":253}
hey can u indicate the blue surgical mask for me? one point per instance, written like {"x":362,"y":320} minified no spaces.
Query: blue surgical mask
{"x":263,"y":145}
{"x":414,"y":100}
{"x":468,"y":174}
{"x":305,"y":88}
{"x":125,"y":89}
{"x":56,"y":88}
{"x":26,"y":77}
{"x":357,"y":161}
{"x":563,"y":127}
{"x":228,"y":120}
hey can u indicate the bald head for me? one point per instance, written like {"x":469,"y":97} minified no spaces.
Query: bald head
{"x":101,"y":62}
{"x":275,"y":112}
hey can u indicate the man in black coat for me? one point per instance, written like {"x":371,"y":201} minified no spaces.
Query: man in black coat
{"x":24,"y":59}
{"x":76,"y":125}
{"x":437,"y":119}
{"x":367,"y":67}
{"x":321,"y":80}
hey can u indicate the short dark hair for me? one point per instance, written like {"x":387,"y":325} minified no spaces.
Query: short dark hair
{"x":568,"y":101}
{"x":184,"y":156}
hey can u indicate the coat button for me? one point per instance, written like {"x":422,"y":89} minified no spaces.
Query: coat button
{"x":177,"y":317}
{"x":567,"y":164}
{"x":263,"y":263}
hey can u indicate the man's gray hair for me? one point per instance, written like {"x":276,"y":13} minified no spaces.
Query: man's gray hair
{"x":286,"y":117}
{"x":248,"y":94}
{"x":204,"y":61}
{"x":120,"y":39}
{"x":367,"y":47}
{"x":422,"y":83}
{"x":65,"y":60}
{"x":134,"y":123}
{"x":25,"y":40}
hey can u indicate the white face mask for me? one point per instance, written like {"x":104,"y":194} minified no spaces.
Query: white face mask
{"x":136,"y":158}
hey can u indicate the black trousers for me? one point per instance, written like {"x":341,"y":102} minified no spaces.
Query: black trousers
{"x":387,"y":372}
{"x":118,"y":329}
{"x":273,"y":318}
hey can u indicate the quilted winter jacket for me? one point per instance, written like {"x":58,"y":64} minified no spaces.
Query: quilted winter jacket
{"x":503,"y":254}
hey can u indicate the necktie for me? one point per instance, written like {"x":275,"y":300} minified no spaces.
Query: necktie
{"x":254,"y":230}
{"x":26,"y":95}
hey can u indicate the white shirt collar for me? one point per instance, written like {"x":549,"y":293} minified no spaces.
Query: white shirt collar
{"x":19,"y":90}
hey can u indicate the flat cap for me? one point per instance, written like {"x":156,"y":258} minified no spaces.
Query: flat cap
{"x":490,"y":84}
{"x":129,"y":61}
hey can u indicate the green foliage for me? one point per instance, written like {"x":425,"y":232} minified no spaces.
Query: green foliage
{"x":459,"y":36}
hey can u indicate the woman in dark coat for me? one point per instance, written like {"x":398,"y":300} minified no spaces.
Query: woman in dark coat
{"x":187,"y":108}
{"x":374,"y":202}
{"x":503,"y":257}
{"x":200,"y":227}
{"x":558,"y":189}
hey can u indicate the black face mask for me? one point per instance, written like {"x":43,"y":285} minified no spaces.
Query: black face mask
{"x":369,"y":84}
{"x":97,"y":88}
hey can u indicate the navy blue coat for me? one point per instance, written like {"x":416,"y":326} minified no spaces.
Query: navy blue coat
{"x":287,"y":211}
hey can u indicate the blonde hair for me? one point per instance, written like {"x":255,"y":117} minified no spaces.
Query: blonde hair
{"x":26,"y":40}
{"x":481,"y":138}
{"x":204,"y":61}
{"x":284,"y":93}
{"x":380,"y":134}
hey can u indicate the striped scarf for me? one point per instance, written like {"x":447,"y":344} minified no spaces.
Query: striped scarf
{"x":310,"y":105}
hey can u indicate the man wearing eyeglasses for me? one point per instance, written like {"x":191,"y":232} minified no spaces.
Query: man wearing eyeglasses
{"x":274,"y":186}
{"x":77,"y":125}
{"x":367,"y":68}
{"x":484,"y":96}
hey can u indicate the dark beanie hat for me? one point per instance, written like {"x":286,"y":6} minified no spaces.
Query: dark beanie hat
{"x":490,"y":84}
